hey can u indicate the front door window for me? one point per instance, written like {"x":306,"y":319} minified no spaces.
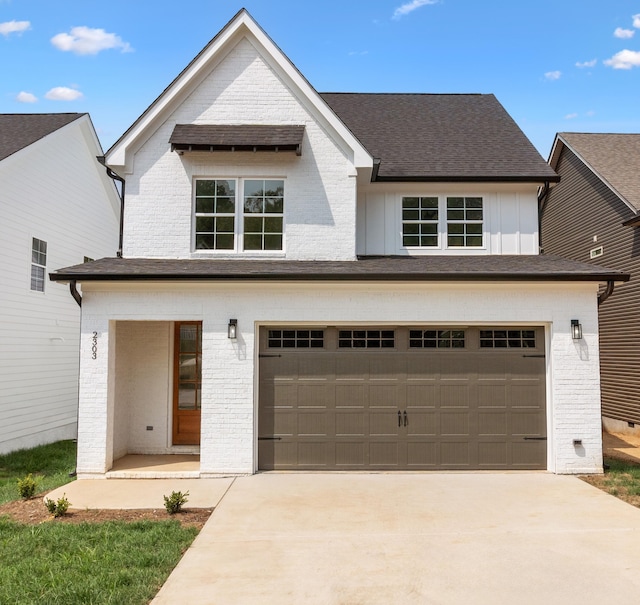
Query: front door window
{"x":187,"y":383}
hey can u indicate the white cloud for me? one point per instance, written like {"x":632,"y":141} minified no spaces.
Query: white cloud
{"x":88,"y":41}
{"x":62,"y":93}
{"x":409,"y":7}
{"x":587,"y":63}
{"x":570,"y":116}
{"x":623,"y":33}
{"x":12,"y":27}
{"x":26,"y":97}
{"x":590,"y":113}
{"x":625,"y":59}
{"x":553,"y":75}
{"x":636,"y":20}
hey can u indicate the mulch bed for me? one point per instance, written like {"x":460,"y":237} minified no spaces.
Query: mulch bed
{"x":34,"y":512}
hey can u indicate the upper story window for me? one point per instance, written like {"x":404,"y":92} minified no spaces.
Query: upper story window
{"x":38,"y":264}
{"x":420,"y":222}
{"x":239,"y":215}
{"x":464,"y":222}
{"x":429,"y":221}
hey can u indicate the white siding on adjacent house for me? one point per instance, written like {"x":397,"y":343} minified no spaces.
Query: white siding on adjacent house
{"x":229,"y":371}
{"x":52,"y":190}
{"x":320,"y":187}
{"x":510,"y":217}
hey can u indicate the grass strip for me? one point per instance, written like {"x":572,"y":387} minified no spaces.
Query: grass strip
{"x":113,"y":562}
{"x":49,"y":464}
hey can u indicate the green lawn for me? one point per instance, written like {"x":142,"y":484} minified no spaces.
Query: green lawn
{"x":113,"y":562}
{"x":50,"y":464}
{"x":56,"y":563}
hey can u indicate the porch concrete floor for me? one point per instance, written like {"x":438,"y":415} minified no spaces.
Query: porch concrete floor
{"x":172,"y":466}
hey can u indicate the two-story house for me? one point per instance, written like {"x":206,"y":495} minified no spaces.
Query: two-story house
{"x":57,"y":207}
{"x":332,"y":281}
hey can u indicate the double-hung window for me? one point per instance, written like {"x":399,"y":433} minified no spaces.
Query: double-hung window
{"x":239,"y":215}
{"x":38,"y":264}
{"x":442,"y":222}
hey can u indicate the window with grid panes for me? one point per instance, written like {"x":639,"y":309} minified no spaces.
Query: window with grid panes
{"x":465,"y":222}
{"x":215,"y":206}
{"x":420,"y":222}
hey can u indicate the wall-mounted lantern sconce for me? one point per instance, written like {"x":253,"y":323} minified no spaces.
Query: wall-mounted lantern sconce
{"x":232,"y":329}
{"x":576,"y":329}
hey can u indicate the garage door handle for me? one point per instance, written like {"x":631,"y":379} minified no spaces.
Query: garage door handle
{"x":269,"y":438}
{"x":406,"y":422}
{"x":535,"y":438}
{"x":399,"y":418}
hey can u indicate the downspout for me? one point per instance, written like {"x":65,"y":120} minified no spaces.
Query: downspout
{"x":607,"y":293}
{"x":74,"y":292}
{"x":113,"y":175}
{"x":542,"y":202}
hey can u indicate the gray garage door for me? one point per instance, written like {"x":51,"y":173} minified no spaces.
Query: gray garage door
{"x":405,"y":398}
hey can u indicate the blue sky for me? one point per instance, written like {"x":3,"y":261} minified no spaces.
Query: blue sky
{"x":556,"y":65}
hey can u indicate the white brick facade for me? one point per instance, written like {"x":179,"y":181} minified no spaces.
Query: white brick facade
{"x":230,"y":368}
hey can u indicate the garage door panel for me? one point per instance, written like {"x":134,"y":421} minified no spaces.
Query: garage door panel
{"x":313,"y":454}
{"x":527,"y":423}
{"x":454,"y":423}
{"x":383,"y":424}
{"x":455,"y":454}
{"x":350,"y":424}
{"x":384,"y":454}
{"x":492,"y":395}
{"x":351,"y":367}
{"x":493,"y":454}
{"x":492,"y":423}
{"x":385,"y":396}
{"x":351,"y":454}
{"x":387,"y":367}
{"x":314,"y":423}
{"x":313,"y":396}
{"x":422,"y":454}
{"x":421,"y":366}
{"x":454,"y":395}
{"x":421,"y":395}
{"x":422,"y":423}
{"x":528,"y":454}
{"x":315,"y":367}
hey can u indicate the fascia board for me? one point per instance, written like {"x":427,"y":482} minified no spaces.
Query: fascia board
{"x":118,"y":155}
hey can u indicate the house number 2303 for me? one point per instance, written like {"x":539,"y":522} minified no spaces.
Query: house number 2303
{"x":94,"y":346}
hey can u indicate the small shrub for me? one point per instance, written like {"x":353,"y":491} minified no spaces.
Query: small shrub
{"x":58,"y":508}
{"x":27,"y":487}
{"x":175,"y":501}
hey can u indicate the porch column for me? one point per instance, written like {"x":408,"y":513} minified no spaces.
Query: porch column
{"x":95,"y":414}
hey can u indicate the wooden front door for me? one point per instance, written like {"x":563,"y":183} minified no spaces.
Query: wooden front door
{"x":187,"y":382}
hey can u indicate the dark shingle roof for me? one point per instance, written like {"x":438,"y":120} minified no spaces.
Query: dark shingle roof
{"x":440,"y":137}
{"x":19,"y":130}
{"x":613,"y":157}
{"x":405,"y":268}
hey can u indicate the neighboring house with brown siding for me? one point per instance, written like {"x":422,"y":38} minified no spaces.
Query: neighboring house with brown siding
{"x":593,"y":216}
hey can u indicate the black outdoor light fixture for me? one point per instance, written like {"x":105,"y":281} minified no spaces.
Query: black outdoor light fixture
{"x":232,"y":329}
{"x":576,"y":329}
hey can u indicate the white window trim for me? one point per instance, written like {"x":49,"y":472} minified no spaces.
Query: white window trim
{"x":33,"y":264}
{"x":443,"y":247}
{"x":239,"y":218}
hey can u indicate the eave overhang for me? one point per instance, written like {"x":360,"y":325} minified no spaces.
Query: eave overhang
{"x":543,"y":268}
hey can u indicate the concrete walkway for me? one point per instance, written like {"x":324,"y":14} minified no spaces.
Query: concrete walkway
{"x":397,"y":538}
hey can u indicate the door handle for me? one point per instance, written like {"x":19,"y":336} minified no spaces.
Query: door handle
{"x":399,"y":418}
{"x":406,"y":422}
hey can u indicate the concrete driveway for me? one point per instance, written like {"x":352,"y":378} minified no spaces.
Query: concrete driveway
{"x":390,"y":539}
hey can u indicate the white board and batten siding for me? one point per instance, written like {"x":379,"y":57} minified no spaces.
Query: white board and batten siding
{"x":53,"y":190}
{"x":510,"y":220}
